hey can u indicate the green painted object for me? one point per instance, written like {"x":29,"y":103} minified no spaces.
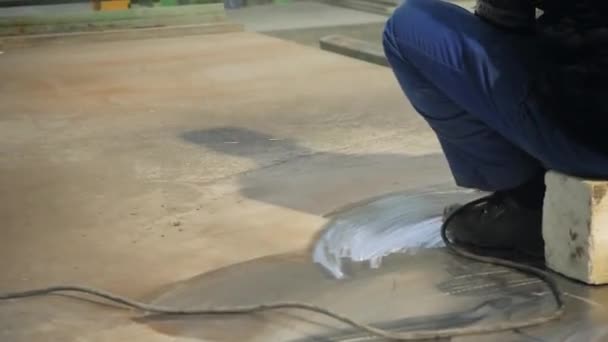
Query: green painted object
{"x":169,"y":2}
{"x":200,"y":2}
{"x":136,"y":17}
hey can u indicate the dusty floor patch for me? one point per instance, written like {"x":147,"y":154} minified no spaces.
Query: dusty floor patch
{"x":105,"y":146}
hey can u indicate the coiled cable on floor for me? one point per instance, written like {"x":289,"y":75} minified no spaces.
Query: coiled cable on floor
{"x":366,"y":328}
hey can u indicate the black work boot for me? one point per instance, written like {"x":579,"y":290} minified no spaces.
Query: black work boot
{"x":509,"y":221}
{"x":498,"y":223}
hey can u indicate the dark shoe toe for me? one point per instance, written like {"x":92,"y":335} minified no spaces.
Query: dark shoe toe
{"x":496,"y":223}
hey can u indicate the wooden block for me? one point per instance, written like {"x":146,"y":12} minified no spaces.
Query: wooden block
{"x":112,"y":5}
{"x":575,"y":227}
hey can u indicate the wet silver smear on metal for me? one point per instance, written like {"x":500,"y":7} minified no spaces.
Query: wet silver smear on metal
{"x":428,"y":289}
{"x":421,"y":291}
{"x":398,"y":223}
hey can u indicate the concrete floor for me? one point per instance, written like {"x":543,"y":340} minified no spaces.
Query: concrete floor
{"x":371,"y":32}
{"x":299,"y":15}
{"x":306,"y":22}
{"x":133,"y":165}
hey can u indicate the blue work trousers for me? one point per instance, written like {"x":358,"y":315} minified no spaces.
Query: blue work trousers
{"x":471,"y":82}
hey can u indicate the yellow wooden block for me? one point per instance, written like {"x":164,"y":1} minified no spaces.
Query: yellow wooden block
{"x":111,"y":5}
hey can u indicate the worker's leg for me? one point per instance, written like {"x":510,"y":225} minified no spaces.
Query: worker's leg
{"x":471,"y":82}
{"x":478,"y":155}
{"x":450,"y":81}
{"x":468,"y":80}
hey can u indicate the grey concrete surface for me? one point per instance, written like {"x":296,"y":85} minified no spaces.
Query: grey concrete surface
{"x":299,"y":15}
{"x":371,"y":32}
{"x":133,"y":165}
{"x":355,"y":48}
{"x":19,"y":41}
{"x":307,"y":22}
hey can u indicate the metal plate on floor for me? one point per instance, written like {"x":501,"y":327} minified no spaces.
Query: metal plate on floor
{"x":426,"y":289}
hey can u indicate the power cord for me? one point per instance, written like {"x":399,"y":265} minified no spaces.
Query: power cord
{"x":373,"y":331}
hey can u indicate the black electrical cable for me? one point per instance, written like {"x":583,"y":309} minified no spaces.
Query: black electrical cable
{"x":395,"y":336}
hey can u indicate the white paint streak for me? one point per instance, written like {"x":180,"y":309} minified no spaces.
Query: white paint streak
{"x":370,"y":231}
{"x":373,"y":245}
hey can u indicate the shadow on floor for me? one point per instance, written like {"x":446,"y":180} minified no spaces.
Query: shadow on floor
{"x":293,"y":176}
{"x":482,"y":291}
